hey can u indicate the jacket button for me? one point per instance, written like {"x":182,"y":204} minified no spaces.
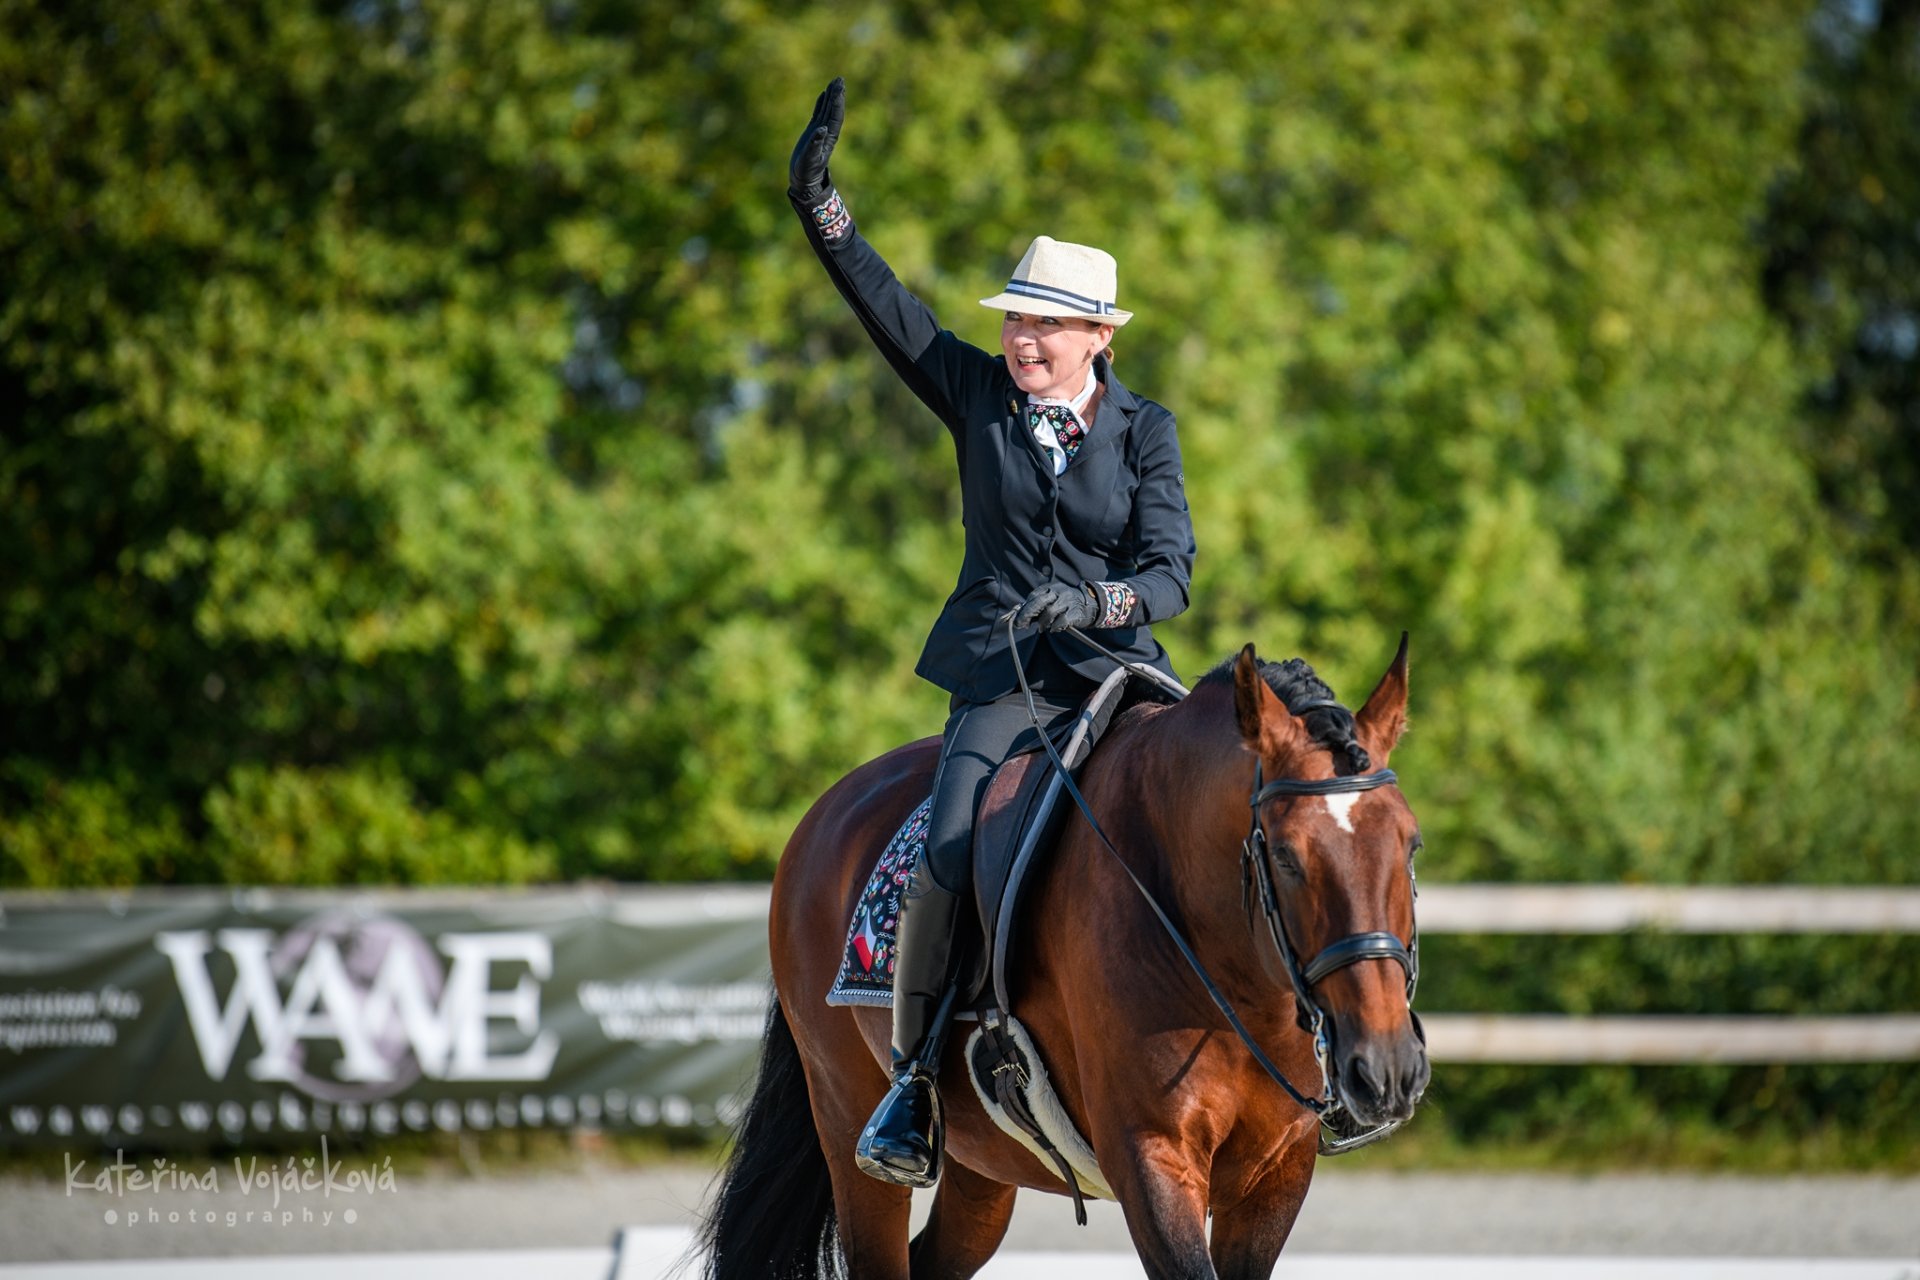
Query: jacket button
{"x":1047,"y":532}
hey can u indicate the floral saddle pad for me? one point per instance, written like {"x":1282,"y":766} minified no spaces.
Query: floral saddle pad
{"x":866,"y":963}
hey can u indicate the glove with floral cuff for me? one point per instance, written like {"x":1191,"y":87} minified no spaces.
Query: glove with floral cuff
{"x":1118,"y":604}
{"x":808,"y":182}
{"x":1059,"y":605}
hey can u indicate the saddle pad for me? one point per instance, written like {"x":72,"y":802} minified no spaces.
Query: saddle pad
{"x":866,"y":964}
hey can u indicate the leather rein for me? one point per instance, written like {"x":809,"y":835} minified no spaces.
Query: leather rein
{"x":1257,"y":872}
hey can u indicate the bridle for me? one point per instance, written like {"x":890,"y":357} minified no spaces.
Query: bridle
{"x":1256,"y":872}
{"x":1336,"y":1138}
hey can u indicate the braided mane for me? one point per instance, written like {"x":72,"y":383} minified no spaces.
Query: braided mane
{"x":1296,"y":685}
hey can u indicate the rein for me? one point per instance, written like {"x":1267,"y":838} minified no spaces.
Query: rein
{"x":1256,"y":868}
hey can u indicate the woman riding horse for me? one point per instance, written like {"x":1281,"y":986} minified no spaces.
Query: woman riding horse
{"x":1075,"y":515}
{"x":1200,"y":1106}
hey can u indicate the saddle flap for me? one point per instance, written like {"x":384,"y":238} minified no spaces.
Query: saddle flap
{"x":1006,"y":809}
{"x":1021,"y":815}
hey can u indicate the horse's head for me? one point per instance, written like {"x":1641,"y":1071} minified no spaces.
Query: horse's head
{"x":1337,"y":841}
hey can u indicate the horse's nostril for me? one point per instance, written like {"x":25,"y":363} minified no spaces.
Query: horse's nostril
{"x":1364,"y":1074}
{"x":1413,"y":1078}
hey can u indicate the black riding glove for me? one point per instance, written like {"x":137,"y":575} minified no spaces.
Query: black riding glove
{"x":1057,"y":606}
{"x":807,"y":179}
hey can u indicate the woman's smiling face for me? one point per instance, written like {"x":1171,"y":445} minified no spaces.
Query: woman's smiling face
{"x":1048,"y":355}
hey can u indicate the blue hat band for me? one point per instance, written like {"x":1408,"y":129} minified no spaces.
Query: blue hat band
{"x":1047,"y":293}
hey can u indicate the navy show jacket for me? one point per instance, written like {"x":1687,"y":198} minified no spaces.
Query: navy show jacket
{"x":1117,"y":514}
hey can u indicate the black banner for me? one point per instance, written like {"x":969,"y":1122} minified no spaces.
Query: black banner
{"x":164,"y":1018}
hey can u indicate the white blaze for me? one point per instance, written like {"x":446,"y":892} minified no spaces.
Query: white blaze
{"x":1341,"y":807}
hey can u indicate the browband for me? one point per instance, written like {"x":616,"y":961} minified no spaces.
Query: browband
{"x":1323,"y":786}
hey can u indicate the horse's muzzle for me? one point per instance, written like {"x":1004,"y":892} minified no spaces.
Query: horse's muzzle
{"x":1382,"y":1077}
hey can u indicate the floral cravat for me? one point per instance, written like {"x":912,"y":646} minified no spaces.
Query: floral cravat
{"x":1066,"y":431}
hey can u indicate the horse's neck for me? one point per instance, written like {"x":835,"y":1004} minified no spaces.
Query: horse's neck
{"x":1185,"y":778}
{"x":1171,"y":787}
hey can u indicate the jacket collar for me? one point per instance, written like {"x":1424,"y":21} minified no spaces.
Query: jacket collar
{"x":1116,"y":395}
{"x":1113,"y":415}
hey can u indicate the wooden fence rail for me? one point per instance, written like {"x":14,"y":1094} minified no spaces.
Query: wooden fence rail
{"x":1608,"y":908}
{"x":1570,"y":909}
{"x":1657,"y":1038}
{"x":1653,"y":1038}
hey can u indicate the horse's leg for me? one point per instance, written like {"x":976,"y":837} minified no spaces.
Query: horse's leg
{"x":844,"y":1085}
{"x":968,"y":1222}
{"x":1248,"y":1234}
{"x":872,"y":1215}
{"x":873,"y":1224}
{"x":1164,"y":1195}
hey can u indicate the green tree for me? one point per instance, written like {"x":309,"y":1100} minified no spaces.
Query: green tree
{"x":1843,"y":267}
{"x":431,"y":420}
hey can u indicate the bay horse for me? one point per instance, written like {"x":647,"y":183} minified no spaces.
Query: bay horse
{"x":1184,"y":1121}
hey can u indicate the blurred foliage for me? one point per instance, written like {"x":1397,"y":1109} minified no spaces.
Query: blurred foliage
{"x":1763,"y":1118}
{"x":1777,"y":1119}
{"x":1843,"y":266}
{"x":431,"y":452}
{"x":430,"y":427}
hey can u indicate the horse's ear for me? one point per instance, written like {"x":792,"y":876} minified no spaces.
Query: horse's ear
{"x":1266,"y":725}
{"x":1247,"y":688}
{"x":1384,"y":718}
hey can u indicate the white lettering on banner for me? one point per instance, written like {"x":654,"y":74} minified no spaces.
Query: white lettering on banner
{"x":65,"y":1019}
{"x":677,"y":1013}
{"x":409,"y":1011}
{"x":473,"y":1003}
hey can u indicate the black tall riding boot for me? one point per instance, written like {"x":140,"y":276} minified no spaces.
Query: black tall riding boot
{"x":902,"y":1141}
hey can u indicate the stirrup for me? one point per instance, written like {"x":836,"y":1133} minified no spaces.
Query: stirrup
{"x":874,"y":1163}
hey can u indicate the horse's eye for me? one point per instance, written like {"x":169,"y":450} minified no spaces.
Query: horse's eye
{"x":1285,"y":856}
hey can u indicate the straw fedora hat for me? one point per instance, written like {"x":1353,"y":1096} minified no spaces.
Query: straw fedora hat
{"x":1056,"y":278}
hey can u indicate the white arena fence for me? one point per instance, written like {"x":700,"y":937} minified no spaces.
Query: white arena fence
{"x":1573,"y":909}
{"x":1570,"y":909}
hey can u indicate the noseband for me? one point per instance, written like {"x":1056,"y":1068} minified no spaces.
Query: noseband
{"x":1256,"y":870}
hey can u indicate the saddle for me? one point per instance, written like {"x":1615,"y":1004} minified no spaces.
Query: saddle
{"x":1020,"y":817}
{"x":1022,"y":813}
{"x":1019,"y":820}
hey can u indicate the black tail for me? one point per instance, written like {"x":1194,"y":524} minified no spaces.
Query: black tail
{"x":773,"y":1217}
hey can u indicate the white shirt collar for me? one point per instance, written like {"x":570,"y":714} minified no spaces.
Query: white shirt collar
{"x":1043,"y":431}
{"x":1079,"y":403}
